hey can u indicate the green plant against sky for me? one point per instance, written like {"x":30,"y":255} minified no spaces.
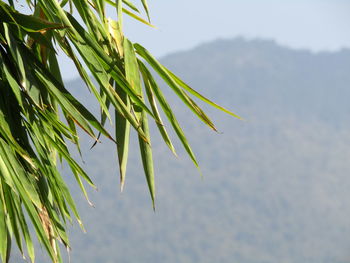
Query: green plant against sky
{"x":39,"y":115}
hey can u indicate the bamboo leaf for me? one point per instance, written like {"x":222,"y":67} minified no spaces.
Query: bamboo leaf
{"x":122,"y":134}
{"x":128,"y":3}
{"x":169,"y":113}
{"x":152,"y":101}
{"x":63,"y":150}
{"x":117,"y":35}
{"x":179,"y":92}
{"x":109,"y":65}
{"x":131,"y":14}
{"x":198,"y":95}
{"x":25,"y":231}
{"x":39,"y":115}
{"x":113,"y":96}
{"x":119,"y":7}
{"x":132,"y":73}
{"x":147,"y":159}
{"x":75,"y":109}
{"x":95,"y":67}
{"x":3,"y":230}
{"x":15,"y":172}
{"x":145,"y":6}
{"x":131,"y":5}
{"x":28,"y":22}
{"x":131,"y":67}
{"x":28,"y":204}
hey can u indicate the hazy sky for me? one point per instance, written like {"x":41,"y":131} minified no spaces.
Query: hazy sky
{"x":183,"y":24}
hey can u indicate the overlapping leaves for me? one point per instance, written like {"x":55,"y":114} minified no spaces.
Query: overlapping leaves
{"x":38,"y":115}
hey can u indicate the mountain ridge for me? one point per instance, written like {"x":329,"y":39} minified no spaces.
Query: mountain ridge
{"x":275,"y":186}
{"x":274,"y":67}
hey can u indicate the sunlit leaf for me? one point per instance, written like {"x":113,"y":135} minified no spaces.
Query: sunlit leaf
{"x":41,"y":120}
{"x":147,"y":159}
{"x":169,"y":113}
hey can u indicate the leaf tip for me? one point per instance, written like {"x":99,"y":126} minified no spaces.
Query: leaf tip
{"x":122,"y":186}
{"x":174,"y":152}
{"x":153,"y":204}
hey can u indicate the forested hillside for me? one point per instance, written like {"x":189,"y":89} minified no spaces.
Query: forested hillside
{"x":275,"y":186}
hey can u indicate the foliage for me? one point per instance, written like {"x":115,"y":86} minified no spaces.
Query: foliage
{"x":273,"y":185}
{"x":38,"y":115}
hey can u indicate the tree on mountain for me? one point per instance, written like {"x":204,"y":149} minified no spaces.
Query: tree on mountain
{"x":38,"y":115}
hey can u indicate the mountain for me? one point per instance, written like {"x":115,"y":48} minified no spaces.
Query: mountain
{"x":253,"y":74}
{"x":275,"y":186}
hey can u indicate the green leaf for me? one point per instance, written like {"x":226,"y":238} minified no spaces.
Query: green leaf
{"x":198,"y":95}
{"x":27,"y":22}
{"x":169,"y":113}
{"x":39,"y":115}
{"x":131,"y":5}
{"x":119,"y":7}
{"x":145,"y":6}
{"x":95,"y":67}
{"x":25,"y":231}
{"x":146,"y":156}
{"x":32,"y":212}
{"x":168,"y":79}
{"x":132,"y":72}
{"x":113,"y":96}
{"x":117,"y":36}
{"x":122,"y":134}
{"x":59,"y":146}
{"x":131,"y":14}
{"x":3,"y":229}
{"x":128,"y":3}
{"x":109,"y":65}
{"x":152,"y":101}
{"x":75,"y":109}
{"x":131,"y":67}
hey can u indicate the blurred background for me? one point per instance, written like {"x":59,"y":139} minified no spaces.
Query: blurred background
{"x":275,"y":186}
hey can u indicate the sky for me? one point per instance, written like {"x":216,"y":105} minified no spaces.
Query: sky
{"x":317,"y":25}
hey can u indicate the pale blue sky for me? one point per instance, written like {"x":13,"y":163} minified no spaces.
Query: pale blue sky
{"x":183,"y":24}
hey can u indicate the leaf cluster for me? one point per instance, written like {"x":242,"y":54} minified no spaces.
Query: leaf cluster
{"x":39,"y":116}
